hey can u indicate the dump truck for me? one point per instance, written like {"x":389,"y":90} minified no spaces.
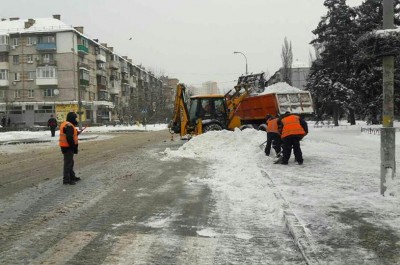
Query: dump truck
{"x":244,"y":106}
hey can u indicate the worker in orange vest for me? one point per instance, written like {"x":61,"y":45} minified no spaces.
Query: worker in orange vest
{"x":273,"y":136}
{"x":68,"y":142}
{"x":292,"y":128}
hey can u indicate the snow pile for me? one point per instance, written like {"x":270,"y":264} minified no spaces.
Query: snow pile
{"x":340,"y":175}
{"x":281,"y":87}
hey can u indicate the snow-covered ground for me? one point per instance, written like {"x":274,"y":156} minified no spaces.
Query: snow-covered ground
{"x":336,"y":189}
{"x":338,"y":185}
{"x":21,"y":135}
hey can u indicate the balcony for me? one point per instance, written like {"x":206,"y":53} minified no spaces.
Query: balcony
{"x":83,"y":49}
{"x":46,"y":81}
{"x":84,"y":82}
{"x":4,"y":66}
{"x":113,"y":64}
{"x":115,"y":87}
{"x":101,"y":58}
{"x":44,"y":62}
{"x":46,"y":46}
{"x":101,"y":87}
{"x":124,"y":69}
{"x":46,"y":76}
{"x":103,"y":95}
{"x":84,"y":66}
{"x":101,"y":72}
{"x":4,"y":82}
{"x":4,"y":48}
{"x":125,"y":80}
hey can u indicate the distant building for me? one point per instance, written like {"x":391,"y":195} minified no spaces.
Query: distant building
{"x":48,"y":67}
{"x":209,"y":87}
{"x":299,"y":75}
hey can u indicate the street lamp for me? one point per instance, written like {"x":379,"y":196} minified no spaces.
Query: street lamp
{"x":244,"y":58}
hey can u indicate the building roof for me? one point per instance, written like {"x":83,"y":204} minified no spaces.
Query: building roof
{"x":40,"y":25}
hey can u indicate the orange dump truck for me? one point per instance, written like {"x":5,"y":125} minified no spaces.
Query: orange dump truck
{"x":253,"y":109}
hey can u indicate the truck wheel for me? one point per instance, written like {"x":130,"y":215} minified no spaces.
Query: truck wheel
{"x":212,"y":127}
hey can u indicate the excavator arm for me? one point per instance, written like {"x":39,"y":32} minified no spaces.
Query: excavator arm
{"x":233,"y":101}
{"x":180,"y":120}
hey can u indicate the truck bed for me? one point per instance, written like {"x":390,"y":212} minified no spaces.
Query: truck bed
{"x":258,"y":106}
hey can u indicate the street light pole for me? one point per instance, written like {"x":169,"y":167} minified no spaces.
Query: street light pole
{"x":244,"y":58}
{"x":388,"y":133}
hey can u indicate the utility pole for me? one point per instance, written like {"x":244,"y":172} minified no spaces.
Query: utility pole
{"x":388,"y":133}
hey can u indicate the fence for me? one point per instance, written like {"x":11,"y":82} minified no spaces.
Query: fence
{"x":377,"y":131}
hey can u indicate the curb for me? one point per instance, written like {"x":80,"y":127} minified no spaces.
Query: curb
{"x":296,"y":229}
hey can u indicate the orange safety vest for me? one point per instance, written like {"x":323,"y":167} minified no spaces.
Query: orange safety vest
{"x":63,"y":137}
{"x":272,"y":125}
{"x":292,"y":126}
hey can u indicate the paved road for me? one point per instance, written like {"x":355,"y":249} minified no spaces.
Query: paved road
{"x":130,"y":207}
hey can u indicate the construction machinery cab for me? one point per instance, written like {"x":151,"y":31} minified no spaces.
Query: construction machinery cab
{"x":211,"y":109}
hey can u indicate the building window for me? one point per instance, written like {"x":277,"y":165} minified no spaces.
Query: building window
{"x":3,"y":40}
{"x":29,"y":58}
{"x":17,"y":93}
{"x":2,"y":94}
{"x":31,"y":40}
{"x":4,"y":58}
{"x":3,"y":74}
{"x":29,"y":107}
{"x":45,"y":109}
{"x":15,"y":110}
{"x":48,"y":92}
{"x":17,"y":77}
{"x":47,"y":39}
{"x":15,"y":59}
{"x":31,"y":93}
{"x":15,"y":41}
{"x":88,"y":114}
{"x":31,"y":75}
{"x":47,"y":58}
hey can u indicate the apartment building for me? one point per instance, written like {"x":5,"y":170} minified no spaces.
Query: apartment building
{"x":48,"y":67}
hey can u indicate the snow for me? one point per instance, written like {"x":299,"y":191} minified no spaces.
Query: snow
{"x":41,"y":135}
{"x":41,"y":24}
{"x":281,"y":87}
{"x":340,"y":175}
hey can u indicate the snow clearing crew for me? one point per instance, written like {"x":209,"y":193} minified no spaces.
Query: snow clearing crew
{"x":292,"y":128}
{"x":69,"y":146}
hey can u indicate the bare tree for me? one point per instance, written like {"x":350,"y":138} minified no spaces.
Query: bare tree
{"x":287,"y":60}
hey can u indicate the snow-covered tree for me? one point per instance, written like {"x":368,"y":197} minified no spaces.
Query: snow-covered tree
{"x":330,"y":79}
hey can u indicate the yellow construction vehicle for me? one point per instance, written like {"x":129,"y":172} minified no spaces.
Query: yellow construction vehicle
{"x":235,"y":109}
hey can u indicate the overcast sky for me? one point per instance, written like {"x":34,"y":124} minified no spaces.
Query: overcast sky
{"x":192,"y":40}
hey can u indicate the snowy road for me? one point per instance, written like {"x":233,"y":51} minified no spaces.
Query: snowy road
{"x":216,"y":199}
{"x":134,"y":206}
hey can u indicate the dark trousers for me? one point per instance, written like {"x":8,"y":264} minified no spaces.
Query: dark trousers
{"x":68,"y":173}
{"x":290,"y":142}
{"x":53,"y":131}
{"x":273,"y":139}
